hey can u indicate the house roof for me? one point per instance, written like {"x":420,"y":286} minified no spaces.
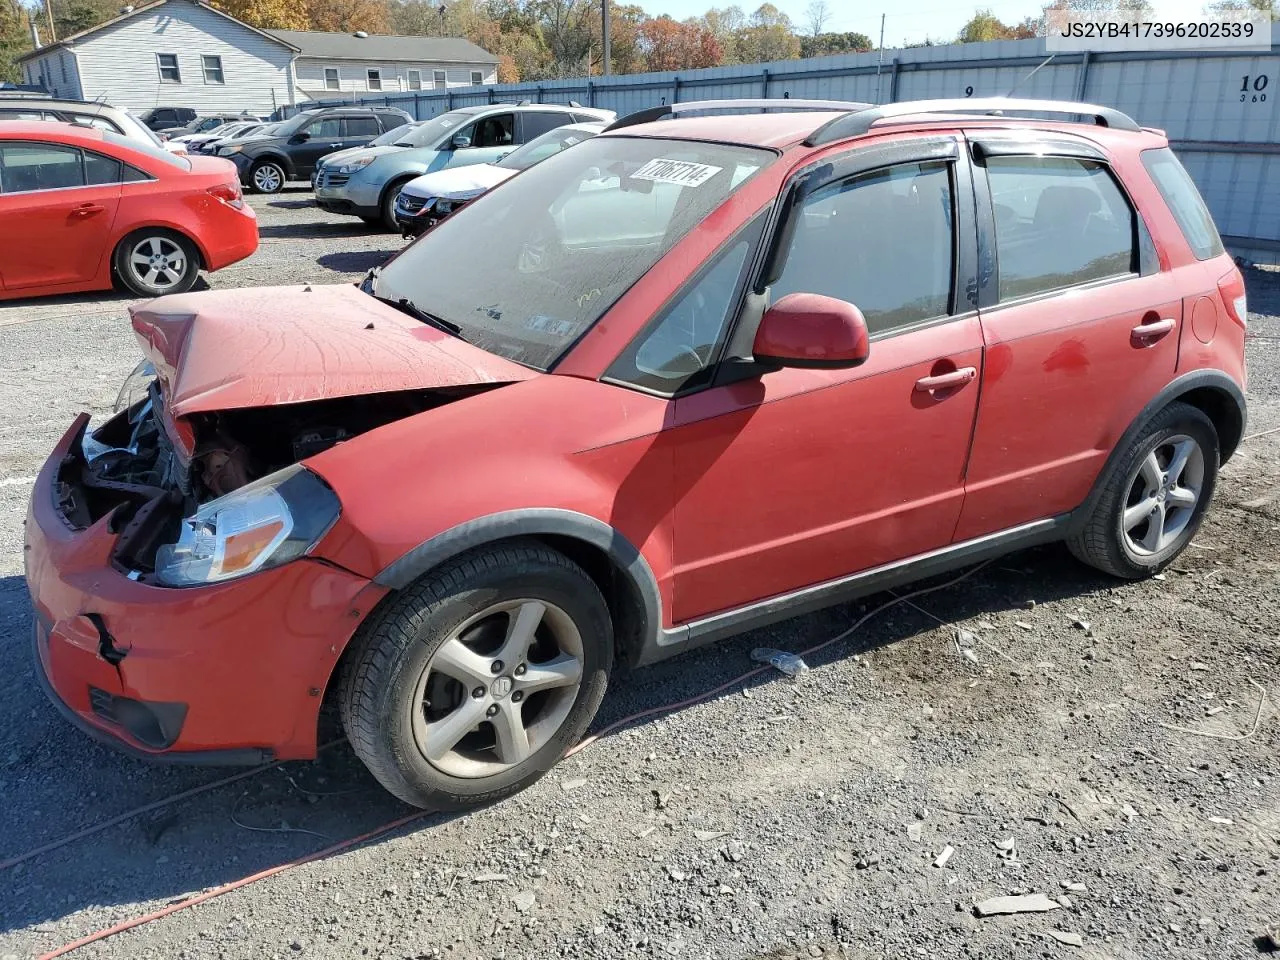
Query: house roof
{"x":137,"y":12}
{"x":348,"y":46}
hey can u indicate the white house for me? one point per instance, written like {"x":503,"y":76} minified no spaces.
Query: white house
{"x":185,"y":53}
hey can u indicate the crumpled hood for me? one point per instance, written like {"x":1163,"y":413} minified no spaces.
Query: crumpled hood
{"x":458,"y":182}
{"x":230,"y":349}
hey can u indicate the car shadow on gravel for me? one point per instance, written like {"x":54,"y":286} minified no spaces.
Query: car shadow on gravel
{"x":292,"y":204}
{"x":355,"y":261}
{"x":88,"y":298}
{"x":56,"y":781}
{"x":319,"y":229}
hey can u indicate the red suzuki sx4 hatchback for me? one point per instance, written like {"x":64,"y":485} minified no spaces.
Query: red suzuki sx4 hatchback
{"x":689,"y":377}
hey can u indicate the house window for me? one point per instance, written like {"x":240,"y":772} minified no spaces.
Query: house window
{"x":331,"y":78}
{"x":375,"y":79}
{"x":168,"y":64}
{"x":212,"y":69}
{"x":477,"y":78}
{"x":438,"y":80}
{"x":415,"y":79}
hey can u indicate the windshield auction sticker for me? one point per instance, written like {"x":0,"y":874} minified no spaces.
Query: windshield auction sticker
{"x":1073,"y":31}
{"x":683,"y":173}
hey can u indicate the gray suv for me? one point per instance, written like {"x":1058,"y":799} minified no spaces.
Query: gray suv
{"x":365,"y":183}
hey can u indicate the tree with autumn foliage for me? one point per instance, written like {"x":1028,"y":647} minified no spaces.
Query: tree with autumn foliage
{"x":668,"y":45}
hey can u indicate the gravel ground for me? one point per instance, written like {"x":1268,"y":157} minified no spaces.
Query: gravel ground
{"x":782,"y":818}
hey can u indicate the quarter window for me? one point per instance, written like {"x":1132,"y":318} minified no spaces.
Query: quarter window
{"x":167,"y":63}
{"x":438,"y":79}
{"x":1060,"y":221}
{"x":883,"y":241}
{"x":1184,"y":202}
{"x":331,"y":78}
{"x":415,"y":79}
{"x":375,"y":79}
{"x":212,"y":69}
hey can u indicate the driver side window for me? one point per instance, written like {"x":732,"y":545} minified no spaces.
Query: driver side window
{"x":496,"y":131}
{"x":677,"y":352}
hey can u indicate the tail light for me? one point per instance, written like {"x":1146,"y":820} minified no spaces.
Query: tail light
{"x":228,"y":193}
{"x":1231,"y":286}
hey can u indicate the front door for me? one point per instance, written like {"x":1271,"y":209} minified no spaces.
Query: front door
{"x":66,"y":201}
{"x":806,"y":475}
{"x":1081,"y":329}
{"x":492,"y":138}
{"x":324,"y":136}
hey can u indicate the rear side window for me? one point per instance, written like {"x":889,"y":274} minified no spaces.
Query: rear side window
{"x":882,"y":241}
{"x":536,"y":123}
{"x":99,"y":169}
{"x":1060,"y":221}
{"x":361,"y":127}
{"x":1184,"y":202}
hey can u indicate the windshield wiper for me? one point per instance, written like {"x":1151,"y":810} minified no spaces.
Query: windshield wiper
{"x":405,"y":305}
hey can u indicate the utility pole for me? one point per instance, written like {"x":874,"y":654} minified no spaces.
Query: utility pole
{"x":880,"y":62}
{"x":604,"y":35}
{"x":48,"y":13}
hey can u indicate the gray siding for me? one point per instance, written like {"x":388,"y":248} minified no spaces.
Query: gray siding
{"x":119,"y":63}
{"x":353,"y":76}
{"x":1230,"y":146}
{"x":58,"y":72}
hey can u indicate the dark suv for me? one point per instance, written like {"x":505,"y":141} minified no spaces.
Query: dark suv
{"x":166,"y":118}
{"x":267,"y":163}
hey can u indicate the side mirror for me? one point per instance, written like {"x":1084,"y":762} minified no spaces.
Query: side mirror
{"x":460,"y":141}
{"x":810,"y":330}
{"x":300,"y":138}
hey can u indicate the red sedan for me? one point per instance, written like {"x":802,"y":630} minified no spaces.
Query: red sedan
{"x":688,"y":378}
{"x":83,"y":207}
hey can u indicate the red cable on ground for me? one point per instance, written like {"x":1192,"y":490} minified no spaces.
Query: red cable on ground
{"x":341,"y":845}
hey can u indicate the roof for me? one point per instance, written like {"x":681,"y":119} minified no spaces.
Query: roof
{"x":778,"y":129}
{"x":49,"y":130}
{"x":137,"y":12}
{"x":70,"y":106}
{"x":349,"y":46}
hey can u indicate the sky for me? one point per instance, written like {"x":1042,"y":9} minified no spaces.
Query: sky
{"x":906,"y":21}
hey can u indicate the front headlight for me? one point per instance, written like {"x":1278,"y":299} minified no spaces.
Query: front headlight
{"x":229,"y":151}
{"x":262,"y":525}
{"x":351,"y":166}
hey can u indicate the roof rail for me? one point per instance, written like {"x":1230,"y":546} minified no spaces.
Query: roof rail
{"x":650,"y":114}
{"x":859,"y":121}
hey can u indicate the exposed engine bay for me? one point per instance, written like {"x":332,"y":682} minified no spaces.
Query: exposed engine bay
{"x":152,"y":471}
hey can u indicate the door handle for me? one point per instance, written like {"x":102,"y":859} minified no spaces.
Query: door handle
{"x":87,"y":209}
{"x":1145,"y":333}
{"x":335,"y":145}
{"x":946,"y":381}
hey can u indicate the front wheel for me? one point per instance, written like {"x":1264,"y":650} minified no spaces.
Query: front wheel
{"x":155,"y":262}
{"x":1154,"y":498}
{"x":389,"y":206}
{"x":478,"y":678}
{"x":267,"y":176}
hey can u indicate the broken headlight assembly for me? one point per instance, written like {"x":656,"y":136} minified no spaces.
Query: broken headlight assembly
{"x":261,"y":525}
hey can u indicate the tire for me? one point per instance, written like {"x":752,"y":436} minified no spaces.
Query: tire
{"x":1154,"y":496}
{"x":154,"y":262}
{"x":422,"y":680}
{"x":388,"y":205}
{"x":267,"y":176}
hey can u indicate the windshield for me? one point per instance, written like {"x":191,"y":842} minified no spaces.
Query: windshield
{"x":392,"y":135}
{"x":430,"y":132}
{"x":152,"y":151}
{"x":525,"y":270}
{"x":539,"y":148}
{"x":291,"y":126}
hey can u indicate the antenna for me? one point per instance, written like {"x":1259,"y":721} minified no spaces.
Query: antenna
{"x":1030,"y":75}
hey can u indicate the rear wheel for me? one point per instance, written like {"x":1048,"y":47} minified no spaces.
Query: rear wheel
{"x":474,"y":682}
{"x":156,"y":262}
{"x":267,"y":176}
{"x":1154,"y":498}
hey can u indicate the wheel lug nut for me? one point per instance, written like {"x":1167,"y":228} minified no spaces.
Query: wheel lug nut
{"x":517,"y":696}
{"x":478,"y":692}
{"x":495,"y":667}
{"x":520,"y":670}
{"x":493,"y":709}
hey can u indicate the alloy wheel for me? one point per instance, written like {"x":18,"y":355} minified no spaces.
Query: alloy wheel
{"x":498,"y":688}
{"x":1163,"y":494}
{"x":268,"y":178}
{"x":159,"y":263}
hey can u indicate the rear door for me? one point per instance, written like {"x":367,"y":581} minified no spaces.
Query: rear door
{"x":1081,"y":327}
{"x":66,"y":201}
{"x":802,"y":476}
{"x":358,"y":131}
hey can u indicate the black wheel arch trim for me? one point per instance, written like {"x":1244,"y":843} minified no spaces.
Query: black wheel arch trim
{"x":280,"y":159}
{"x":1214,"y":380}
{"x":626,"y":559}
